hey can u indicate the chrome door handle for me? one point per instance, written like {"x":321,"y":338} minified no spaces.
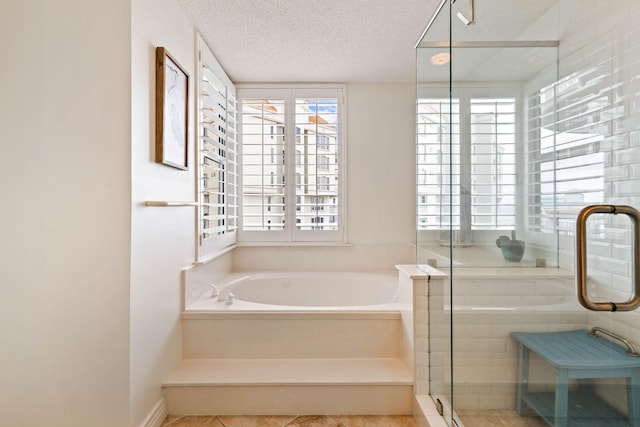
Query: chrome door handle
{"x":581,"y":258}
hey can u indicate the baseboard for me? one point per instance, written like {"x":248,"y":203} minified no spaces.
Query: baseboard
{"x":157,"y":414}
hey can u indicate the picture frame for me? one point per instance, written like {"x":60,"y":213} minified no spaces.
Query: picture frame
{"x":172,"y":111}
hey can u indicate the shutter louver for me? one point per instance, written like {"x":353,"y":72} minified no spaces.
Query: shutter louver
{"x":217,"y":155}
{"x":466,"y":159}
{"x":263,"y":164}
{"x":567,"y":122}
{"x":493,"y":163}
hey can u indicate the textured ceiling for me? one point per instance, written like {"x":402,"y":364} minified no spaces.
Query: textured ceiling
{"x":358,"y":40}
{"x":313,"y":40}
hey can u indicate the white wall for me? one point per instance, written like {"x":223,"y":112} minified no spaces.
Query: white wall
{"x":65,"y":187}
{"x":381,"y":189}
{"x":162,"y":239}
{"x":90,"y":295}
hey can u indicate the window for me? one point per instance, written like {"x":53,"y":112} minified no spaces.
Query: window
{"x":317,"y":203}
{"x":217,"y":148}
{"x":466,"y":162}
{"x":323,"y":183}
{"x":323,"y":163}
{"x":323,"y":143}
{"x":301,"y":128}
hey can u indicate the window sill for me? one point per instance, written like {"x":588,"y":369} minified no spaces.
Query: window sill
{"x":292,"y":244}
{"x":206,"y":259}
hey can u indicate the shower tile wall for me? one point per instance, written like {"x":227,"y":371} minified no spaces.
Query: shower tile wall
{"x":485,"y":354}
{"x":421,"y":332}
{"x":600,"y":42}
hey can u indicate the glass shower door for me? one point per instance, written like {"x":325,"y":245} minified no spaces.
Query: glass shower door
{"x":509,"y":150}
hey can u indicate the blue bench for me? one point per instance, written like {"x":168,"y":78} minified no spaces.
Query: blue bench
{"x":575,"y":354}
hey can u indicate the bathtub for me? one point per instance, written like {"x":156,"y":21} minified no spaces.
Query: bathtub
{"x":302,"y":291}
{"x":302,"y":315}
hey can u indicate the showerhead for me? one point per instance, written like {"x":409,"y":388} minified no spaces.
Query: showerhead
{"x":463,"y":19}
{"x":471,"y":19}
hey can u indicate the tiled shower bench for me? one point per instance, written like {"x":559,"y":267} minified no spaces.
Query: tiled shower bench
{"x":576,"y":355}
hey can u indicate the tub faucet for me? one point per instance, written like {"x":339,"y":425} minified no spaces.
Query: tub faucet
{"x":225,"y":290}
{"x":229,"y":299}
{"x":223,"y":293}
{"x":214,"y":290}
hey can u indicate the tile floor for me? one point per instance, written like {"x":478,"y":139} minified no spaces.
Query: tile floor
{"x":495,"y":418}
{"x":291,"y":421}
{"x":470,"y":418}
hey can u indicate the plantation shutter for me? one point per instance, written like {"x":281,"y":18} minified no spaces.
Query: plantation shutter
{"x":263,"y":164}
{"x":493,"y":163}
{"x":292,"y":164}
{"x":438,"y":163}
{"x":217,"y":156}
{"x":317,"y":206}
{"x":567,"y":121}
{"x":466,"y":163}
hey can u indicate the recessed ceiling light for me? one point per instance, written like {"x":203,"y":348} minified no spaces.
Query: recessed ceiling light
{"x":441,"y":58}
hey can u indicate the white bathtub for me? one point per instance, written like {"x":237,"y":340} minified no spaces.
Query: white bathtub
{"x":303,"y":291}
{"x":310,"y":323}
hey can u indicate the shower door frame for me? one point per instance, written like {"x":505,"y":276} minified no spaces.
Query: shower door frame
{"x":447,"y":408}
{"x":440,"y":14}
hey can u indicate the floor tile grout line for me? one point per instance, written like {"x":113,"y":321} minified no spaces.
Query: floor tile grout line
{"x":339,"y":422}
{"x":323,"y":416}
{"x":338,"y":419}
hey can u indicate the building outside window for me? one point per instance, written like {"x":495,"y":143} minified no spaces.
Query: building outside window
{"x":302,"y":128}
{"x":466,"y":163}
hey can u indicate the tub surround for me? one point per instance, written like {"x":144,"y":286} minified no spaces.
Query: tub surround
{"x":197,"y":278}
{"x":290,"y":335}
{"x":258,"y":359}
{"x":263,"y":366}
{"x":420,"y":279}
{"x":251,"y":358}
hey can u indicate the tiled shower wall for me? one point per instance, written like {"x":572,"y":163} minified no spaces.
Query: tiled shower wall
{"x":485,"y":356}
{"x":600,"y":41}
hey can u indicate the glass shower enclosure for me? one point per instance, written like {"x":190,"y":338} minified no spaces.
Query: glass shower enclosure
{"x":515,"y":137}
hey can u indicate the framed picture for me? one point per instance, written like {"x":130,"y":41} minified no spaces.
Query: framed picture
{"x":172,"y":111}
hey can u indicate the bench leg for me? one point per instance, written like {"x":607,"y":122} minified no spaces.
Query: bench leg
{"x":523,"y":380}
{"x":633,"y":398}
{"x":561,"y":412}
